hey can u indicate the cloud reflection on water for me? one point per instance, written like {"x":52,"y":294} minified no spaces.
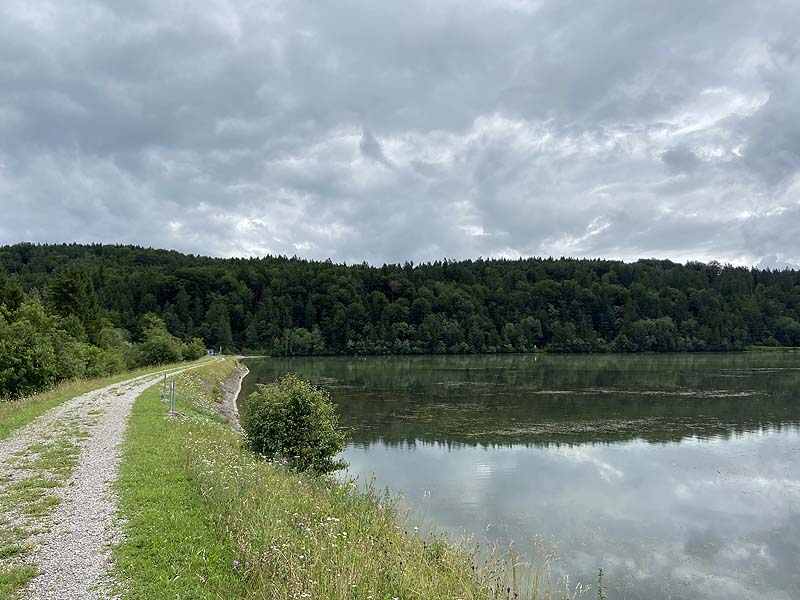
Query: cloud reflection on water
{"x":702,"y":518}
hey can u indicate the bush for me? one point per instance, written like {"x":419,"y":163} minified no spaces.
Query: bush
{"x":160,"y":350}
{"x":194,"y":349}
{"x":158,"y":346}
{"x":71,"y":356}
{"x":296,"y":420}
{"x":28,"y":362}
{"x":100,"y":363}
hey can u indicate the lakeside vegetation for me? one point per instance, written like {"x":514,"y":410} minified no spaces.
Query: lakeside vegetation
{"x":205,"y":517}
{"x":288,"y":306}
{"x":296,"y":421}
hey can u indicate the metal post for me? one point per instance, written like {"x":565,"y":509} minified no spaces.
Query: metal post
{"x":172,"y":397}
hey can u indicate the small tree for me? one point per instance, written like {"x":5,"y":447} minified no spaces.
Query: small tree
{"x":28,"y":360}
{"x":194,"y":349}
{"x":158,"y":346}
{"x":295,"y":420}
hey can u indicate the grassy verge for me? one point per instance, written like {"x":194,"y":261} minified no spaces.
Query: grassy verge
{"x":171,"y":549}
{"x":17,"y":413}
{"x":205,"y":518}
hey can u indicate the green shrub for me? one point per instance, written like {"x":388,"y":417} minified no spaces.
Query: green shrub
{"x":295,"y":420}
{"x":28,"y":362}
{"x":100,"y":363}
{"x":160,"y":350}
{"x":194,"y":349}
{"x":158,"y":346}
{"x":71,"y":356}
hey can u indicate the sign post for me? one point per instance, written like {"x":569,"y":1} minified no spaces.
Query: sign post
{"x":172,"y":397}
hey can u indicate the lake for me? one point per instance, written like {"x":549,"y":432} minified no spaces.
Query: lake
{"x":677,"y":474}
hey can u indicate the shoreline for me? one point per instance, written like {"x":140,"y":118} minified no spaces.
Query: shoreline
{"x":537,"y":352}
{"x":231,"y":386}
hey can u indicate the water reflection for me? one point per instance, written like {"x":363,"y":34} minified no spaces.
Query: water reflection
{"x":677,"y":474}
{"x":707,"y":519}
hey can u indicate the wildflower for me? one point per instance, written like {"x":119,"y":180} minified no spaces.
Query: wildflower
{"x":235,"y":563}
{"x":247,"y":564}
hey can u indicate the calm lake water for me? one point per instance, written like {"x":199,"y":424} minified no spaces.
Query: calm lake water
{"x":679,"y":475}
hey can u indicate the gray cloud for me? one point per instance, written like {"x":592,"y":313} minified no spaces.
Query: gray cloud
{"x":681,"y":159}
{"x":502,"y":128}
{"x":372,"y":148}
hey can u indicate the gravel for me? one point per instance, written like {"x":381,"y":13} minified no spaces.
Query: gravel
{"x":73,"y":549}
{"x":231,"y":386}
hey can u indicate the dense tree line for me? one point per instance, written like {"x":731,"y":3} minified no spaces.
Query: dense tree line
{"x":59,"y":331}
{"x":292,"y":306}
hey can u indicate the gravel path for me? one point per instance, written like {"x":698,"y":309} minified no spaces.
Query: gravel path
{"x":71,"y":544}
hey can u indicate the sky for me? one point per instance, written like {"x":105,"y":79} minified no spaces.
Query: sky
{"x":387,"y":131}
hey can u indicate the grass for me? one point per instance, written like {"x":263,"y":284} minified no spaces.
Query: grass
{"x":171,"y":549}
{"x":51,"y":465}
{"x":17,"y":413}
{"x":11,"y":550}
{"x":14,"y":579}
{"x":59,"y":457}
{"x":205,"y":518}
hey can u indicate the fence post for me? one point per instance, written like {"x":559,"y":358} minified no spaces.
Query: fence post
{"x":172,"y":397}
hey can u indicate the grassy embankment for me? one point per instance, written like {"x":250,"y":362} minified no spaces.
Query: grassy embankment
{"x":17,"y":413}
{"x":205,"y":518}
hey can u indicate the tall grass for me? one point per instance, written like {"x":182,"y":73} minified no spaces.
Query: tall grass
{"x":205,"y":517}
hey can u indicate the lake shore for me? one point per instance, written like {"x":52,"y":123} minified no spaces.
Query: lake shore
{"x":267,"y":531}
{"x":231,"y":387}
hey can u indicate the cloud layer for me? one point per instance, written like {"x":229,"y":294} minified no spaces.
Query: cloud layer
{"x":386,"y":131}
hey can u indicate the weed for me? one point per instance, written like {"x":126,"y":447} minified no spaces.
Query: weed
{"x":15,"y":578}
{"x":11,"y":550}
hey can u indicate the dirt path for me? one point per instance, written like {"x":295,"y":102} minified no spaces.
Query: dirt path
{"x":56,"y":477}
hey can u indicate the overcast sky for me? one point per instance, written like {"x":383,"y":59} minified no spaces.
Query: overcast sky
{"x":381,"y":130}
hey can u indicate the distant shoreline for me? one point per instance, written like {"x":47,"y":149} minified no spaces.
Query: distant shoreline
{"x":536,"y":352}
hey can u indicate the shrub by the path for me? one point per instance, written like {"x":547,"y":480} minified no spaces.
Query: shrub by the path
{"x":294,"y":420}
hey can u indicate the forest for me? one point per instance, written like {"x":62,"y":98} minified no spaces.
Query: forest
{"x":58,"y":331}
{"x":107,"y":296}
